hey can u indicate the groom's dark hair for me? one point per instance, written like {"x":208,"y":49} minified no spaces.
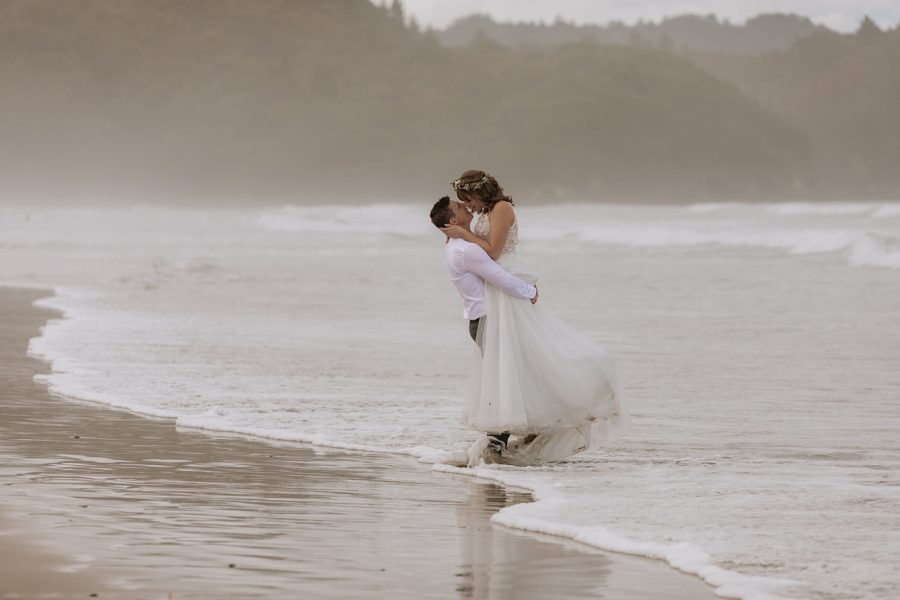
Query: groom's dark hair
{"x":441,"y":213}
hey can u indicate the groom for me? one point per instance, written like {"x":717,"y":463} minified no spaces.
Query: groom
{"x":470,"y":266}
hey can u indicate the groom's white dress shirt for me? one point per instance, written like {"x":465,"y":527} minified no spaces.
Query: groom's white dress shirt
{"x":470,"y":266}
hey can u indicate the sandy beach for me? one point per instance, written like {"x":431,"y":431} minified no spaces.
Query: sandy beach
{"x":103,"y":503}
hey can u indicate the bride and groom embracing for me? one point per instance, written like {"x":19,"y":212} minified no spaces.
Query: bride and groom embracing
{"x":540,"y":390}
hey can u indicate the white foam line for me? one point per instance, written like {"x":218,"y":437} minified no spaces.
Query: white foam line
{"x":711,"y":206}
{"x":821,"y":208}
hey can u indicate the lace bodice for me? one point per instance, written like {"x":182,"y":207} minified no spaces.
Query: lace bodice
{"x":483,"y":228}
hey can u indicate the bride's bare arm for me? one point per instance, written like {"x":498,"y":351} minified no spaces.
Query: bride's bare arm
{"x":502,"y":218}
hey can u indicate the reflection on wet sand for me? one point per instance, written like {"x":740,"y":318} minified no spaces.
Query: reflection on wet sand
{"x":499,"y":564}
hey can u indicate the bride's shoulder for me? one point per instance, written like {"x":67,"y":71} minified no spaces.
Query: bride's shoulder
{"x":504,"y":210}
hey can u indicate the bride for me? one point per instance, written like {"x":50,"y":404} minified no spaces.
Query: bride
{"x":546,"y":389}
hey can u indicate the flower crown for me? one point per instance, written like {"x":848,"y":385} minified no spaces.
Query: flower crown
{"x":473,"y":185}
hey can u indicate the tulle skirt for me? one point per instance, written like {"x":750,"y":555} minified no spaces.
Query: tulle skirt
{"x":534,"y":374}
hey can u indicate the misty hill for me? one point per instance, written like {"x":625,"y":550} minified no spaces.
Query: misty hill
{"x":703,"y":32}
{"x":278,"y":100}
{"x":149,"y":94}
{"x":843,"y":92}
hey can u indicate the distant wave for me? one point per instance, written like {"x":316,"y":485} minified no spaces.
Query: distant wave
{"x":887,"y":211}
{"x":702,"y":207}
{"x":373,"y":219}
{"x":876,"y":251}
{"x":821,"y":208}
{"x":862,"y":248}
{"x":865,"y":245}
{"x":789,"y":209}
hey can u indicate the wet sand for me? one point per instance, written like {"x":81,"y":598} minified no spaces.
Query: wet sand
{"x":105,"y":502}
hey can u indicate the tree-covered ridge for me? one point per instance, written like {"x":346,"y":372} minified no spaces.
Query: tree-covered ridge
{"x":279,"y":100}
{"x":701,"y":32}
{"x":843,"y":92}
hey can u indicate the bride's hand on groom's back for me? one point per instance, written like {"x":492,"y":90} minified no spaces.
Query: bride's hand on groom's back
{"x":537,"y":293}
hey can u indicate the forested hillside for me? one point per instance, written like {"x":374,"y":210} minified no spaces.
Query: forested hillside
{"x":843,"y":93}
{"x":260,"y":101}
{"x":700,"y":32}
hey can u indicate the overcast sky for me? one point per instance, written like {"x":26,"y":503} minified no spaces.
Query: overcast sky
{"x":843,"y":15}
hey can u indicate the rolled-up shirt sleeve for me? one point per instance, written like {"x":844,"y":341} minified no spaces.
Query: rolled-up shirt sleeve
{"x":477,"y":261}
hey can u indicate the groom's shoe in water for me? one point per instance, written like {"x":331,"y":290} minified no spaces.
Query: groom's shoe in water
{"x":498,"y":440}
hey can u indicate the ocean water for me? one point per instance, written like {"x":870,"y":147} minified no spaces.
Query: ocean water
{"x":758,"y":348}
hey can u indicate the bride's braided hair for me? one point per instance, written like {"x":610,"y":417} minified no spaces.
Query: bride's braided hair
{"x":480,"y":185}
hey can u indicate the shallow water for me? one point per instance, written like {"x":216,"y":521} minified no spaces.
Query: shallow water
{"x":757,"y":348}
{"x":126,"y":507}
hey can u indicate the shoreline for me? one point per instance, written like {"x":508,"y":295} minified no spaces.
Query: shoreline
{"x":157,"y":448}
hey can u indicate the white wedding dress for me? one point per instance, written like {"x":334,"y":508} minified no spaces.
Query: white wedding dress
{"x":536,"y":375}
